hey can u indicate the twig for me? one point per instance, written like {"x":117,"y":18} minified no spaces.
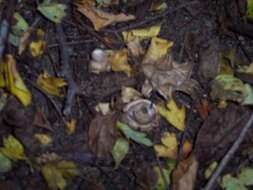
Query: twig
{"x":5,"y":24}
{"x":229,"y":155}
{"x":66,"y":71}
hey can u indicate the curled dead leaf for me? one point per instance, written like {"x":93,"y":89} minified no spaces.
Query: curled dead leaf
{"x":101,"y":19}
{"x":140,"y":114}
{"x":165,"y":76}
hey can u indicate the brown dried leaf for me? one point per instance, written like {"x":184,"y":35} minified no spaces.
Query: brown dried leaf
{"x":40,"y":120}
{"x":219,"y":131}
{"x":101,"y":19}
{"x":103,"y":134}
{"x":166,"y":75}
{"x":184,"y":176}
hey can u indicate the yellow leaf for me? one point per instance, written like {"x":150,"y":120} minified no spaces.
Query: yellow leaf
{"x":173,"y":114}
{"x":44,"y":139}
{"x":142,"y":34}
{"x":158,"y":49}
{"x":71,"y":127}
{"x":56,"y":172}
{"x":12,"y":148}
{"x":101,"y":19}
{"x":53,"y":177}
{"x":11,"y":80}
{"x":133,"y":38}
{"x":67,"y":168}
{"x":168,"y":148}
{"x":50,"y":84}
{"x":37,"y":48}
{"x":119,"y":61}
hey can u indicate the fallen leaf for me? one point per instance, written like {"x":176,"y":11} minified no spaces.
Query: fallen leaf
{"x":129,"y":94}
{"x":50,"y":84}
{"x":101,"y":19}
{"x":12,"y":148}
{"x":140,"y":114}
{"x":37,"y":48}
{"x":40,"y":120}
{"x":166,"y":76}
{"x":103,"y":134}
{"x":169,"y":146}
{"x":184,"y":175}
{"x":250,"y":9}
{"x":11,"y":80}
{"x":71,"y":126}
{"x":119,"y":151}
{"x":227,"y":87}
{"x":157,"y":50}
{"x":5,"y":164}
{"x":56,"y":172}
{"x":232,"y":183}
{"x":173,"y":114}
{"x":210,"y":169}
{"x":133,"y":38}
{"x":246,"y":69}
{"x":213,"y":139}
{"x":44,"y":139}
{"x":164,"y":172}
{"x":141,"y":34}
{"x":136,"y":136}
{"x":248,"y":96}
{"x":55,"y":12}
{"x":158,"y":6}
{"x":18,"y":29}
{"x":246,"y":176}
{"x":119,"y":61}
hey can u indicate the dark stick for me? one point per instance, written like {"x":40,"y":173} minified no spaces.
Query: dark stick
{"x":228,"y":155}
{"x":5,"y":24}
{"x":66,"y":71}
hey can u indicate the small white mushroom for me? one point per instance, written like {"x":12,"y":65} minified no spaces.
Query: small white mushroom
{"x":99,"y":62}
{"x":140,"y":114}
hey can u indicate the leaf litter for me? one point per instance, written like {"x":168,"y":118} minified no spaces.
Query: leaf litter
{"x":149,"y":101}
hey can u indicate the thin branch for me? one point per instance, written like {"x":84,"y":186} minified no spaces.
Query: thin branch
{"x":229,"y":155}
{"x":66,"y":71}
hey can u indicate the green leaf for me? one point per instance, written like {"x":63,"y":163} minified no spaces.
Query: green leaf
{"x":56,"y":172}
{"x":103,"y":1}
{"x":228,"y":87}
{"x":12,"y":148}
{"x":231,"y":183}
{"x":248,"y":99}
{"x":18,"y":29}
{"x":119,"y":151}
{"x":136,"y":136}
{"x":246,"y":176}
{"x":5,"y":164}
{"x":20,"y":26}
{"x":250,"y":9}
{"x":53,"y":11}
{"x":53,"y":177}
{"x":160,"y":184}
{"x":67,"y":168}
